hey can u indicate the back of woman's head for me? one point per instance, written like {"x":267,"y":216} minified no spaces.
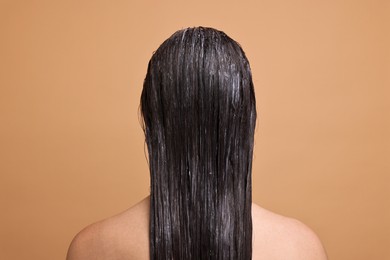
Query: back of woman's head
{"x":199,"y":112}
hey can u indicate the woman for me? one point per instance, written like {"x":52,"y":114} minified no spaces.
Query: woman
{"x":199,"y":111}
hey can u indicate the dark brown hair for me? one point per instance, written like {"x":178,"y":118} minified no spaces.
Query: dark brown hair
{"x":199,"y":111}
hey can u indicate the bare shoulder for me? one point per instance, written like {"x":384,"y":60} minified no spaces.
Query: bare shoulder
{"x":279,"y":237}
{"x":123,"y":236}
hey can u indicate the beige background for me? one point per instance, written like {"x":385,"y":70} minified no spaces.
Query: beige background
{"x":71,"y":146}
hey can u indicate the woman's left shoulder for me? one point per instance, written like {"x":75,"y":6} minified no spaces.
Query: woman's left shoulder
{"x":123,"y":236}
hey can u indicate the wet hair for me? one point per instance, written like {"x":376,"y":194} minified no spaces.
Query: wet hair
{"x":199,"y":112}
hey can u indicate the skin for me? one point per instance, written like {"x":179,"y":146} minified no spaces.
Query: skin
{"x":125,"y":236}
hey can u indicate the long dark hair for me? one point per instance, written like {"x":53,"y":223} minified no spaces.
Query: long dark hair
{"x":199,"y":111}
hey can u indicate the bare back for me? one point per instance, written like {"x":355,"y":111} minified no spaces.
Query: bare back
{"x":125,"y":236}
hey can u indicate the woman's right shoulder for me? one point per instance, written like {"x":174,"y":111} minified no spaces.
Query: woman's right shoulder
{"x":279,"y":237}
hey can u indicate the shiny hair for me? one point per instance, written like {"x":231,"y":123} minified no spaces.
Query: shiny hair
{"x":199,"y":113}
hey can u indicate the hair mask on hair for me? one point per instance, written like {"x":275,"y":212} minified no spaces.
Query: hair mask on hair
{"x":199,"y":111}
